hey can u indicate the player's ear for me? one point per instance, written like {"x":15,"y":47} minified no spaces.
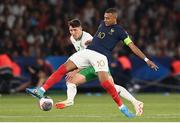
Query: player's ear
{"x":115,"y":16}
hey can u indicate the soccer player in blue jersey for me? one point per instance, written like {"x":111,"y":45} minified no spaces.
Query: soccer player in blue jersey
{"x":80,"y":40}
{"x":97,"y":54}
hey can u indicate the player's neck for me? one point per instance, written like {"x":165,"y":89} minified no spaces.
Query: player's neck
{"x":79,"y":38}
{"x":112,"y":24}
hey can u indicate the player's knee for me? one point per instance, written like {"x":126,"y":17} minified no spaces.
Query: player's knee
{"x":103,"y":76}
{"x":69,"y":81}
{"x":78,"y":80}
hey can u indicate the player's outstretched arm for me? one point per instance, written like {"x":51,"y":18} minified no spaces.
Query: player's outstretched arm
{"x":139,"y":53}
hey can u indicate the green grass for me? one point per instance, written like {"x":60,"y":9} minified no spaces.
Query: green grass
{"x":22,"y":107}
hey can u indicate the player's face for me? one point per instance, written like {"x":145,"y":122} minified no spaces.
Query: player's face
{"x":109,"y":19}
{"x":76,"y":32}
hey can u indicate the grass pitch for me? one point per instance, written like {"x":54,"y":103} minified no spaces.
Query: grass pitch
{"x":22,"y":107}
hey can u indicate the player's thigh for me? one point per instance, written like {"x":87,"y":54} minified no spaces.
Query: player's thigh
{"x":89,"y":73}
{"x":98,"y":61}
{"x":84,"y":75}
{"x":79,"y":59}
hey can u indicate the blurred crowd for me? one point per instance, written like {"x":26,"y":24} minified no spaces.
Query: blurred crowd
{"x":39,"y":27}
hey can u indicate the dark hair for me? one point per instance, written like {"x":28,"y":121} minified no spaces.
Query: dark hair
{"x":74,"y":23}
{"x":111,"y":10}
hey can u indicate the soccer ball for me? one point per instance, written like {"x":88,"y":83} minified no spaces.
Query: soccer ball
{"x":45,"y":103}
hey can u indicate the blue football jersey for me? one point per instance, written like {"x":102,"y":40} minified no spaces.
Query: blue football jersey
{"x":106,"y":39}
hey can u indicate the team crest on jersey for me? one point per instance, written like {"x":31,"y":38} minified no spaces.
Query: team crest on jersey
{"x":101,"y":35}
{"x":111,"y":31}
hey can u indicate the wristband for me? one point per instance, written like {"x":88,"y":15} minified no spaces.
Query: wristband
{"x":146,"y":59}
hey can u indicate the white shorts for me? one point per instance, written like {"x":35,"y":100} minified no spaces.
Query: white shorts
{"x":86,"y":58}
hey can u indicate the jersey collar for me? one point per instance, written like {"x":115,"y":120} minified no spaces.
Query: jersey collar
{"x":80,"y":37}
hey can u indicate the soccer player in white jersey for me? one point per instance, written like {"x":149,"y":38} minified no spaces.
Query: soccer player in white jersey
{"x":80,"y":39}
{"x":97,"y":54}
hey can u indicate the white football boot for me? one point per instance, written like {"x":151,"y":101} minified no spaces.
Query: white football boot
{"x":64,"y":104}
{"x":138,"y":106}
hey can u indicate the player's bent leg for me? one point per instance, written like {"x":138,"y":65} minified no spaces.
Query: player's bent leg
{"x":123,"y":108}
{"x":138,"y":105}
{"x":59,"y":73}
{"x":78,"y":79}
{"x":71,"y":91}
{"x":109,"y":87}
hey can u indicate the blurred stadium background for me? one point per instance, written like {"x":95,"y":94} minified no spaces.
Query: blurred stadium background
{"x":37,"y":29}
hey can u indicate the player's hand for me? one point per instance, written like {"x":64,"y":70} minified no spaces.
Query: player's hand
{"x":152,"y":65}
{"x":70,"y":75}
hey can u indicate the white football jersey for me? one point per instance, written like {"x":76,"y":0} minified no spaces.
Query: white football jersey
{"x":80,"y":44}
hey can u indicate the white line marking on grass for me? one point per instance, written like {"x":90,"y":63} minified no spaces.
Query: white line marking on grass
{"x":164,"y":116}
{"x":151,"y":116}
{"x":69,"y":116}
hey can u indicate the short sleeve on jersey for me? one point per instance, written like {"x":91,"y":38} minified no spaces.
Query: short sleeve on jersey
{"x":87,"y":38}
{"x":122,"y":35}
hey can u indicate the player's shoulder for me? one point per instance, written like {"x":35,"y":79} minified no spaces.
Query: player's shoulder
{"x":119,"y":28}
{"x":86,"y":34}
